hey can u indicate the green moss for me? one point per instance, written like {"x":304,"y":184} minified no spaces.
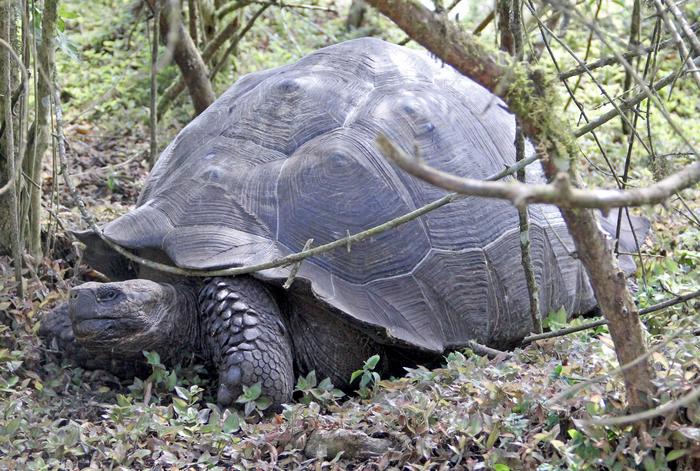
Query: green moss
{"x":531,"y":94}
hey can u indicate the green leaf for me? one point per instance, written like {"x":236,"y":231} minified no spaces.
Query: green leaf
{"x":675,"y":454}
{"x":232,"y":423}
{"x":371,"y":362}
{"x":326,"y":384}
{"x":365,"y":381}
{"x":12,"y":427}
{"x":183,"y":393}
{"x":152,"y":358}
{"x":311,"y":378}
{"x":263,"y":402}
{"x":254,"y":391}
{"x":170,"y":381}
{"x":355,"y":375}
{"x":501,"y":467}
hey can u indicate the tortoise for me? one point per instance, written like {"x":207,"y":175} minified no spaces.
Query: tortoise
{"x":289,"y":154}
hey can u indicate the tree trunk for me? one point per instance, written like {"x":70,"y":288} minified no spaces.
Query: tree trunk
{"x":7,"y":11}
{"x":9,"y":173}
{"x":35,"y":152}
{"x":186,"y":56}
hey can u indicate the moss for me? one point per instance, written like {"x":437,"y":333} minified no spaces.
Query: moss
{"x":532,"y":96}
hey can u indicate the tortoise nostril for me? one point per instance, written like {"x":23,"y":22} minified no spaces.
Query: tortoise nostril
{"x":73,"y":295}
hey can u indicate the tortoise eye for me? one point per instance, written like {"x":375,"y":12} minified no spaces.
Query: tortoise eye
{"x":107,"y":295}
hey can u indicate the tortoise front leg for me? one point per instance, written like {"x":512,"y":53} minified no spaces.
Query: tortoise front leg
{"x":246,"y":339}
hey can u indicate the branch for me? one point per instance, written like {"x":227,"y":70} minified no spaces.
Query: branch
{"x":610,"y":60}
{"x":559,"y":193}
{"x":628,"y":103}
{"x":592,"y":325}
{"x":25,"y":89}
{"x":662,"y":410}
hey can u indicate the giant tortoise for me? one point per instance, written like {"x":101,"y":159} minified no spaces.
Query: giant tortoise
{"x":289,"y":154}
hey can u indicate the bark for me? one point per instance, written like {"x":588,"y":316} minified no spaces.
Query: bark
{"x":7,"y":10}
{"x":186,"y":56}
{"x":9,"y":212}
{"x":533,"y":101}
{"x":35,"y":152}
{"x":174,"y":90}
{"x":356,"y":14}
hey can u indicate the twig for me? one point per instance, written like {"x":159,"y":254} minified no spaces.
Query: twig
{"x":662,"y":410}
{"x":611,"y":60}
{"x":688,"y":31}
{"x":489,"y":352}
{"x":153,"y":121}
{"x":627,"y":103}
{"x":591,"y":325}
{"x":484,"y":23}
{"x":559,"y":193}
{"x":237,"y":39}
{"x":510,"y":24}
{"x":295,"y":268}
{"x":680,"y":44}
{"x":15,"y":165}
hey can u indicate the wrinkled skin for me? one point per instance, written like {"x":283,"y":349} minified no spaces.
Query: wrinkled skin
{"x":109,"y":325}
{"x":129,"y":317}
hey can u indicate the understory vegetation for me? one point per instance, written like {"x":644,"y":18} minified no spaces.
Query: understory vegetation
{"x":543,"y":406}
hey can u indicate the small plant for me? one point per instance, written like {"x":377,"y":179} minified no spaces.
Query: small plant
{"x":368,"y":377}
{"x":556,"y":319}
{"x":159,"y":381}
{"x":252,"y":399}
{"x":324,"y":392}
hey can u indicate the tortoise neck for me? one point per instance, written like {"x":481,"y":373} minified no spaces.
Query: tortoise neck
{"x":184,"y":327}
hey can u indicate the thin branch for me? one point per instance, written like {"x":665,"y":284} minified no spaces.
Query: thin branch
{"x":680,"y":44}
{"x":345,"y":242}
{"x":592,"y":325}
{"x":628,"y":103}
{"x":662,"y":410}
{"x":688,"y":31}
{"x":559,"y":193}
{"x":153,"y":121}
{"x":25,"y":89}
{"x":237,"y":39}
{"x":612,"y":60}
{"x":485,"y":351}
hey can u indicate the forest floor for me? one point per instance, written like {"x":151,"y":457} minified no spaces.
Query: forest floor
{"x":537,"y":408}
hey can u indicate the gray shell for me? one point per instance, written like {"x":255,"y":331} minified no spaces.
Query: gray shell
{"x":289,"y":154}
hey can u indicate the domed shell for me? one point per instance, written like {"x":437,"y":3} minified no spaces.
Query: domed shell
{"x":289,"y":154}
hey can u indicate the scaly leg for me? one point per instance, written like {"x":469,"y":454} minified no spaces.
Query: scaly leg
{"x":245,"y":337}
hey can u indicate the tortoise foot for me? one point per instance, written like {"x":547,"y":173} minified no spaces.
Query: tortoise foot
{"x":247,"y":339}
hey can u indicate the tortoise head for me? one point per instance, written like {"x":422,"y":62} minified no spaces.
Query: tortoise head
{"x":124,"y":318}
